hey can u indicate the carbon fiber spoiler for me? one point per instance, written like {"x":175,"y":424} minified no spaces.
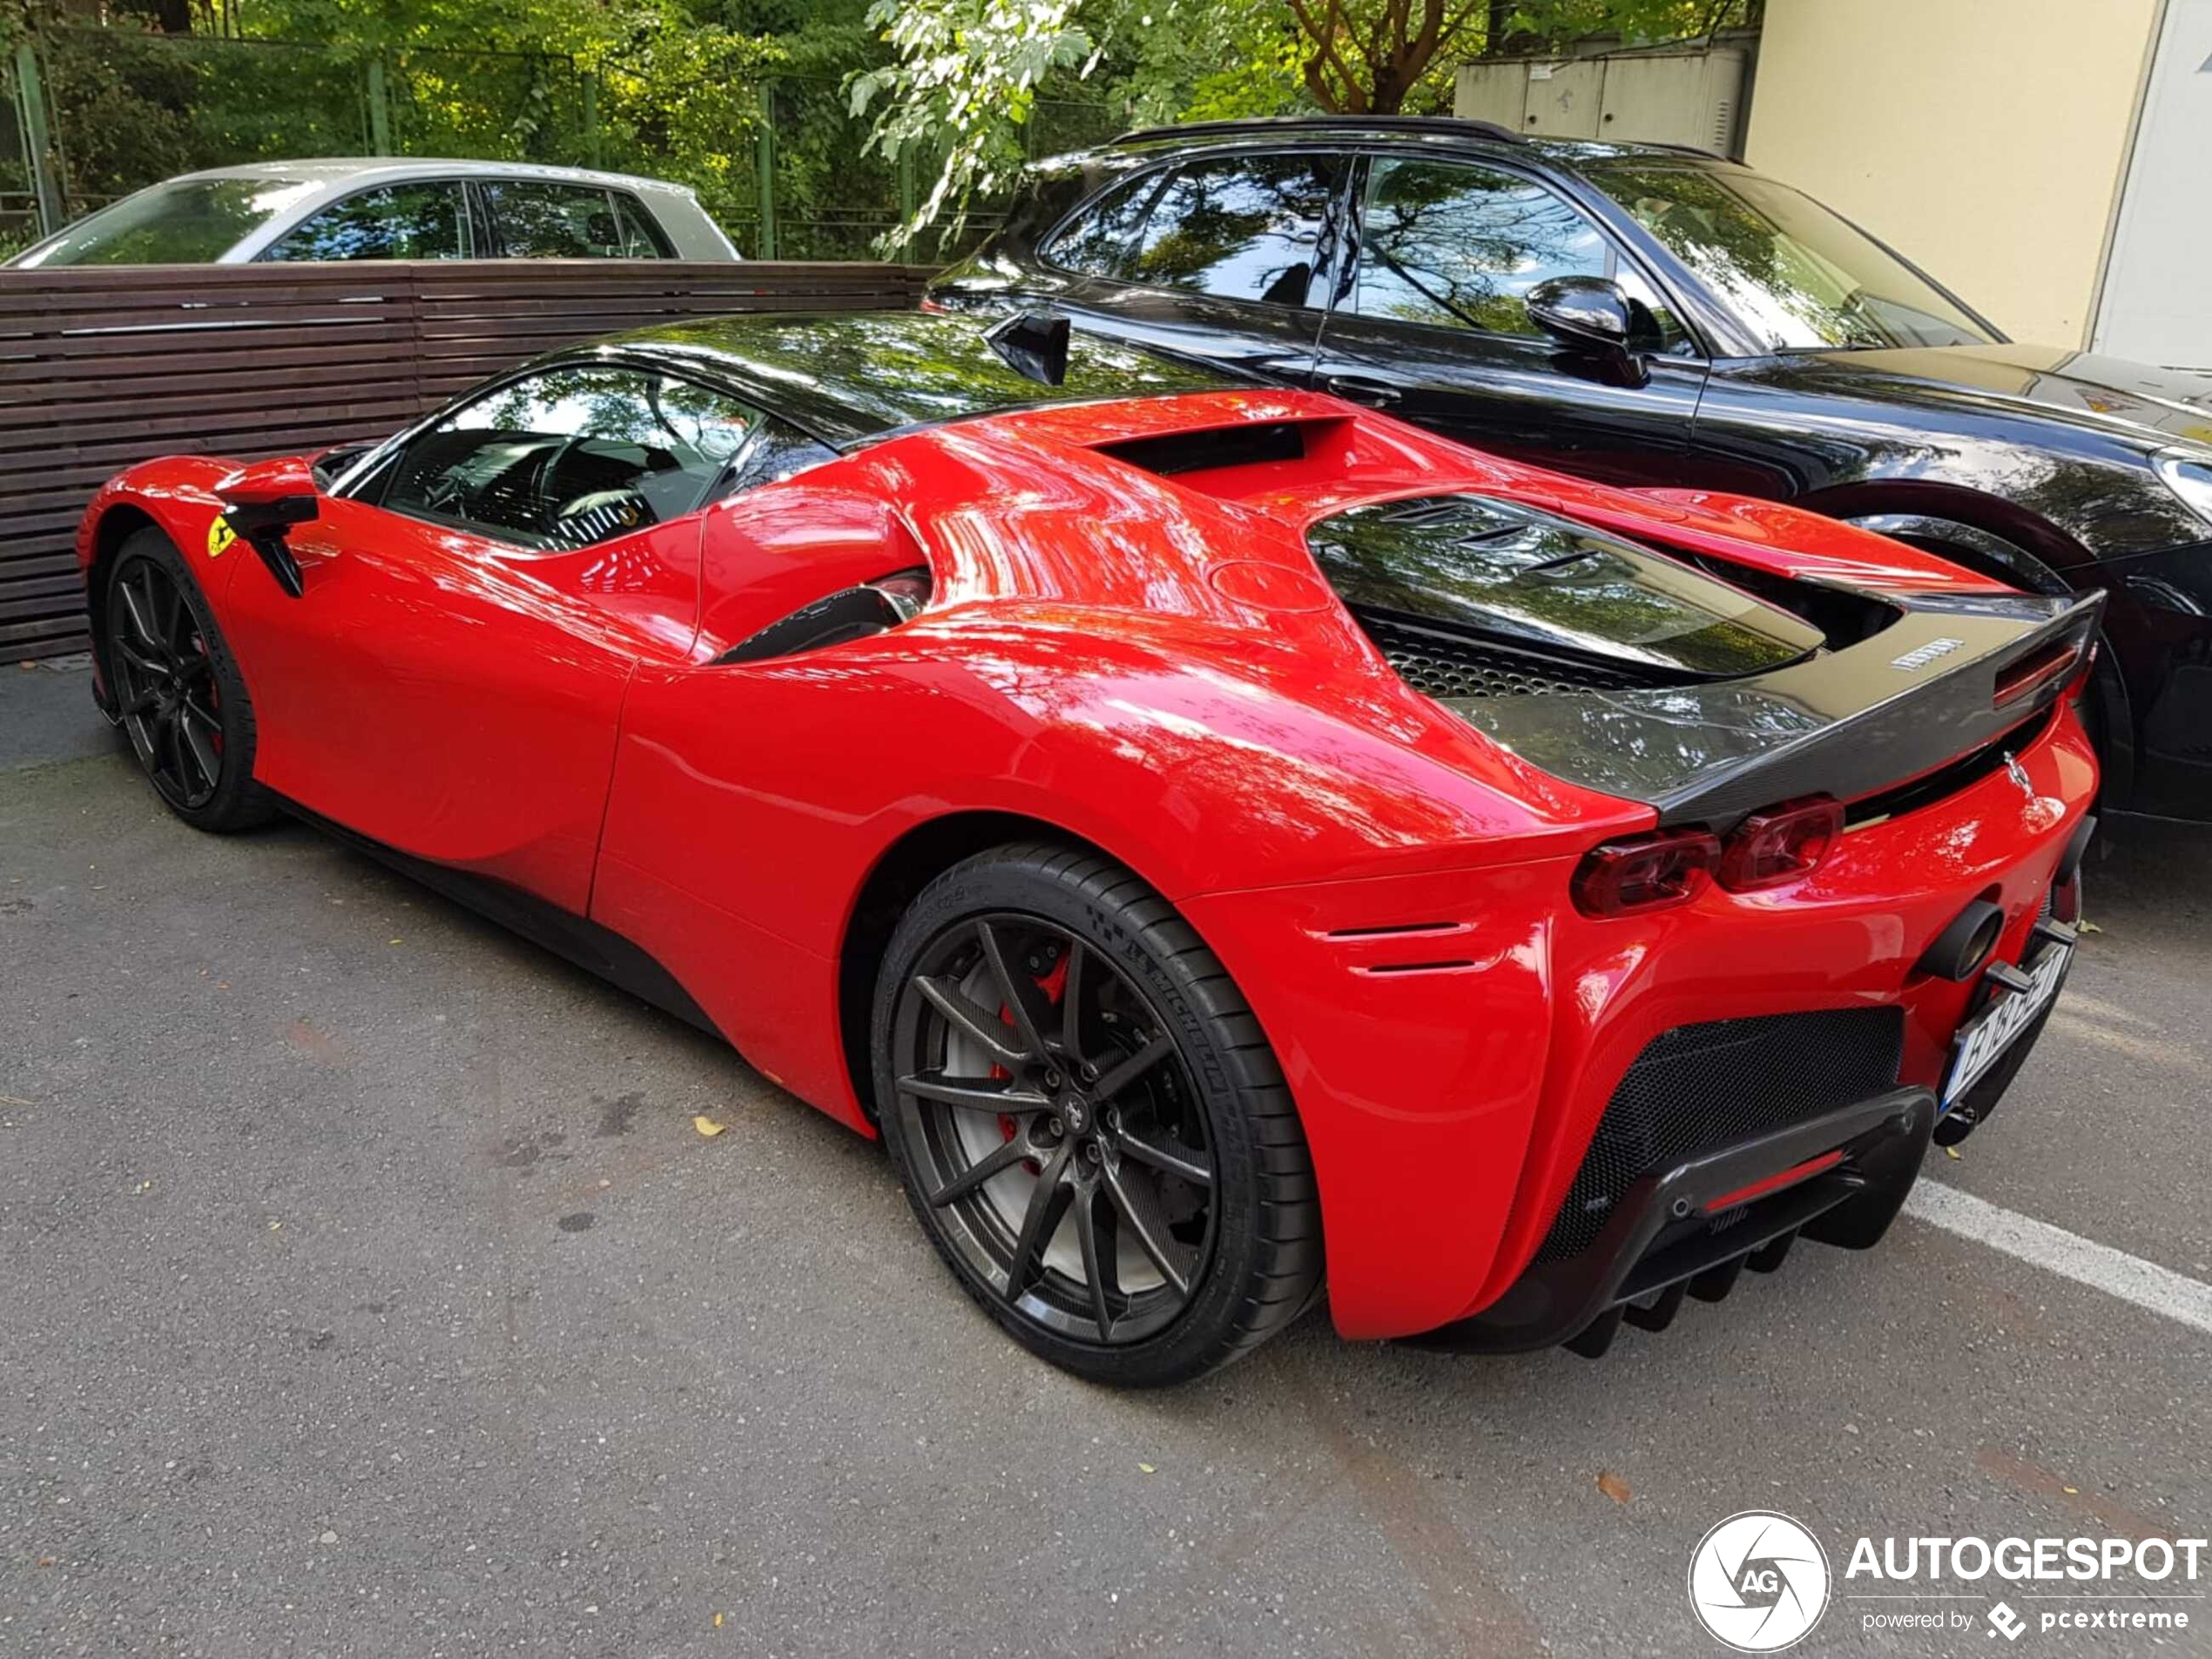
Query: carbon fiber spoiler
{"x":1953,"y":673}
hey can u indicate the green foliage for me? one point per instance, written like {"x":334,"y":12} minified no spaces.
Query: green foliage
{"x":955,"y":94}
{"x":964,"y":87}
{"x":680,"y":89}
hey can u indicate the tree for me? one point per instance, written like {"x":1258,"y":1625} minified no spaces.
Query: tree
{"x":1364,"y":57}
{"x":968,"y":75}
{"x":966,"y":82}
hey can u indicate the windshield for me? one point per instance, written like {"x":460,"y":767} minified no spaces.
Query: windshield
{"x":1798,"y":276}
{"x":187,"y":221}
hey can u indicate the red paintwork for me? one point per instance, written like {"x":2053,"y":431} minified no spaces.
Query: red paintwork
{"x":1149,"y":664}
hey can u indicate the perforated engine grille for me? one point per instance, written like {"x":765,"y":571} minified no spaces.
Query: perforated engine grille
{"x":1699,"y":1087}
{"x":1442,"y":665}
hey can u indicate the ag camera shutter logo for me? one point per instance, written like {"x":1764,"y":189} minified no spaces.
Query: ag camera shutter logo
{"x":1759,"y":1581}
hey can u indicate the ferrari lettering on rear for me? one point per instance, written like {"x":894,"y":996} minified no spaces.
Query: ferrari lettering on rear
{"x":1922,"y":656}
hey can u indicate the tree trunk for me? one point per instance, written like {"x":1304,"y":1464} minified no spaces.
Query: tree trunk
{"x":173,"y":15}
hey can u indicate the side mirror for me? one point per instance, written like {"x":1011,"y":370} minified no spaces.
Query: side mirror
{"x":264,"y":500}
{"x":1590,"y":316}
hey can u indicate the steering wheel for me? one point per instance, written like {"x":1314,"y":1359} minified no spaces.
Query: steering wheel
{"x":598,"y":514}
{"x":544,"y":476}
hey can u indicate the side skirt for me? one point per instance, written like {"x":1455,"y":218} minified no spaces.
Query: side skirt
{"x":581,"y":941}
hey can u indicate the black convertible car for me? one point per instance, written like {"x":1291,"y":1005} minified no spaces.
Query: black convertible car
{"x":1654,"y":317}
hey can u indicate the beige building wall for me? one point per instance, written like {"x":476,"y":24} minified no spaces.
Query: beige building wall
{"x":1984,"y":139}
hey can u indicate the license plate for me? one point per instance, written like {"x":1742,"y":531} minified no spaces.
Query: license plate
{"x":1982,"y":1040}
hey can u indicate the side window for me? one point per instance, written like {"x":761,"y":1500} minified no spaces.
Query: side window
{"x":1242,"y":227}
{"x":776,"y":452}
{"x":571,"y":456}
{"x":549,"y":221}
{"x":642,"y":236}
{"x":1458,"y":246}
{"x":1097,"y":242}
{"x":419,"y":221}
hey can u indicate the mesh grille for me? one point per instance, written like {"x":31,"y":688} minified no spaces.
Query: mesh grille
{"x":1699,"y":1087}
{"x":1446,"y":665}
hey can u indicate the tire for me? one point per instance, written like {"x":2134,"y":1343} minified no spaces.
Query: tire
{"x":179,"y":696}
{"x":1009,"y":1134}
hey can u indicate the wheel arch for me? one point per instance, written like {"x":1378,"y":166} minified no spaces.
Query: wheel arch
{"x":118,"y":524}
{"x":918,"y":857}
{"x":2039,"y":550}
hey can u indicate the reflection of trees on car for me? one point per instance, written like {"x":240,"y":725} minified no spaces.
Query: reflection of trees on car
{"x":1506,"y":569}
{"x":1805,"y":277}
{"x":1243,"y":228}
{"x":865,"y":350}
{"x":1469,"y":244}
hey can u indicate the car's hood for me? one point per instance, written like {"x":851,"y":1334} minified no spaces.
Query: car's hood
{"x":2110,"y":394}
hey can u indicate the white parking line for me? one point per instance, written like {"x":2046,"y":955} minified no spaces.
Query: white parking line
{"x":2069,"y":1255}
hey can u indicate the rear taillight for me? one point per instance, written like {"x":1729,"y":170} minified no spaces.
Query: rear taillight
{"x":933,"y":308}
{"x":2077,"y":687}
{"x":1779,"y":844}
{"x":2054,"y":661}
{"x":1649,"y":873}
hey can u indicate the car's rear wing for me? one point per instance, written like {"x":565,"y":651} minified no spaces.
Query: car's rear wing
{"x":1954,"y":674}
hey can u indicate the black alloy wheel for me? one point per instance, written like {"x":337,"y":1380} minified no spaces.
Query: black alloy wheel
{"x":1040,"y":1076}
{"x":177,"y":694}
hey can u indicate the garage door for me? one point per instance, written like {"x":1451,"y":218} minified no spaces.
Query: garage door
{"x":2157,"y":305}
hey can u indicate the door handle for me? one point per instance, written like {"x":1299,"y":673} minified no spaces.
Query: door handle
{"x":1356,"y":389}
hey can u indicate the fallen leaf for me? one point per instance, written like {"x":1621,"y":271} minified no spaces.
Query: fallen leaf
{"x":707,"y":1126}
{"x":2087,"y":927}
{"x":391,"y":941}
{"x":44,"y":1561}
{"x":717,"y":1621}
{"x":275,"y":1226}
{"x":1951,"y":1151}
{"x":2071,"y":1492}
{"x":1613,"y":1486}
{"x":1148,"y":1468}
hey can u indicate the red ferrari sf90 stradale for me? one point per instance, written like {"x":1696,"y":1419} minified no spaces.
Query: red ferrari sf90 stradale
{"x":1226,"y":841}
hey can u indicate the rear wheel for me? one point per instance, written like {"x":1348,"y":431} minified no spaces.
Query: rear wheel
{"x":179,"y":696}
{"x":1089,"y":1122}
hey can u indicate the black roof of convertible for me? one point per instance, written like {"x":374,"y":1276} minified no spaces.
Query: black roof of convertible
{"x":846,"y":376}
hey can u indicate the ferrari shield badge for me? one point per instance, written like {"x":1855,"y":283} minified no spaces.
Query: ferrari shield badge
{"x":220,"y":536}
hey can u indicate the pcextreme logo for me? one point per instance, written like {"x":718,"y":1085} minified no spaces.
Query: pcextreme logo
{"x":1759,"y":1581}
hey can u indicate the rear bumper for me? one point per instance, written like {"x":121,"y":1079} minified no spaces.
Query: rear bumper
{"x":1671,"y":1237}
{"x":1454,"y":1040}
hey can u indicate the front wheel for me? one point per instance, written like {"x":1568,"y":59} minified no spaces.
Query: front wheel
{"x":178,"y":695}
{"x":1089,"y":1122}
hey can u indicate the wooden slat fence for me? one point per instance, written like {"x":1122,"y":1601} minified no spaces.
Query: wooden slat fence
{"x":101,"y":366}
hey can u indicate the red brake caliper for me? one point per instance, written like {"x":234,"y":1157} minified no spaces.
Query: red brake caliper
{"x":1054,"y":986}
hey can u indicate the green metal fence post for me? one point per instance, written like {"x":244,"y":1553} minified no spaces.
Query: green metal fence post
{"x":591,"y":116}
{"x":764,"y":159}
{"x":31,"y":104}
{"x":379,"y":114}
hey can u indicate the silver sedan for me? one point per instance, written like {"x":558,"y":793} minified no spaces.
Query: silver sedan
{"x":389,"y":208}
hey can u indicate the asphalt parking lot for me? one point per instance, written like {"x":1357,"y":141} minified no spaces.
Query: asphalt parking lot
{"x":369,"y":1289}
